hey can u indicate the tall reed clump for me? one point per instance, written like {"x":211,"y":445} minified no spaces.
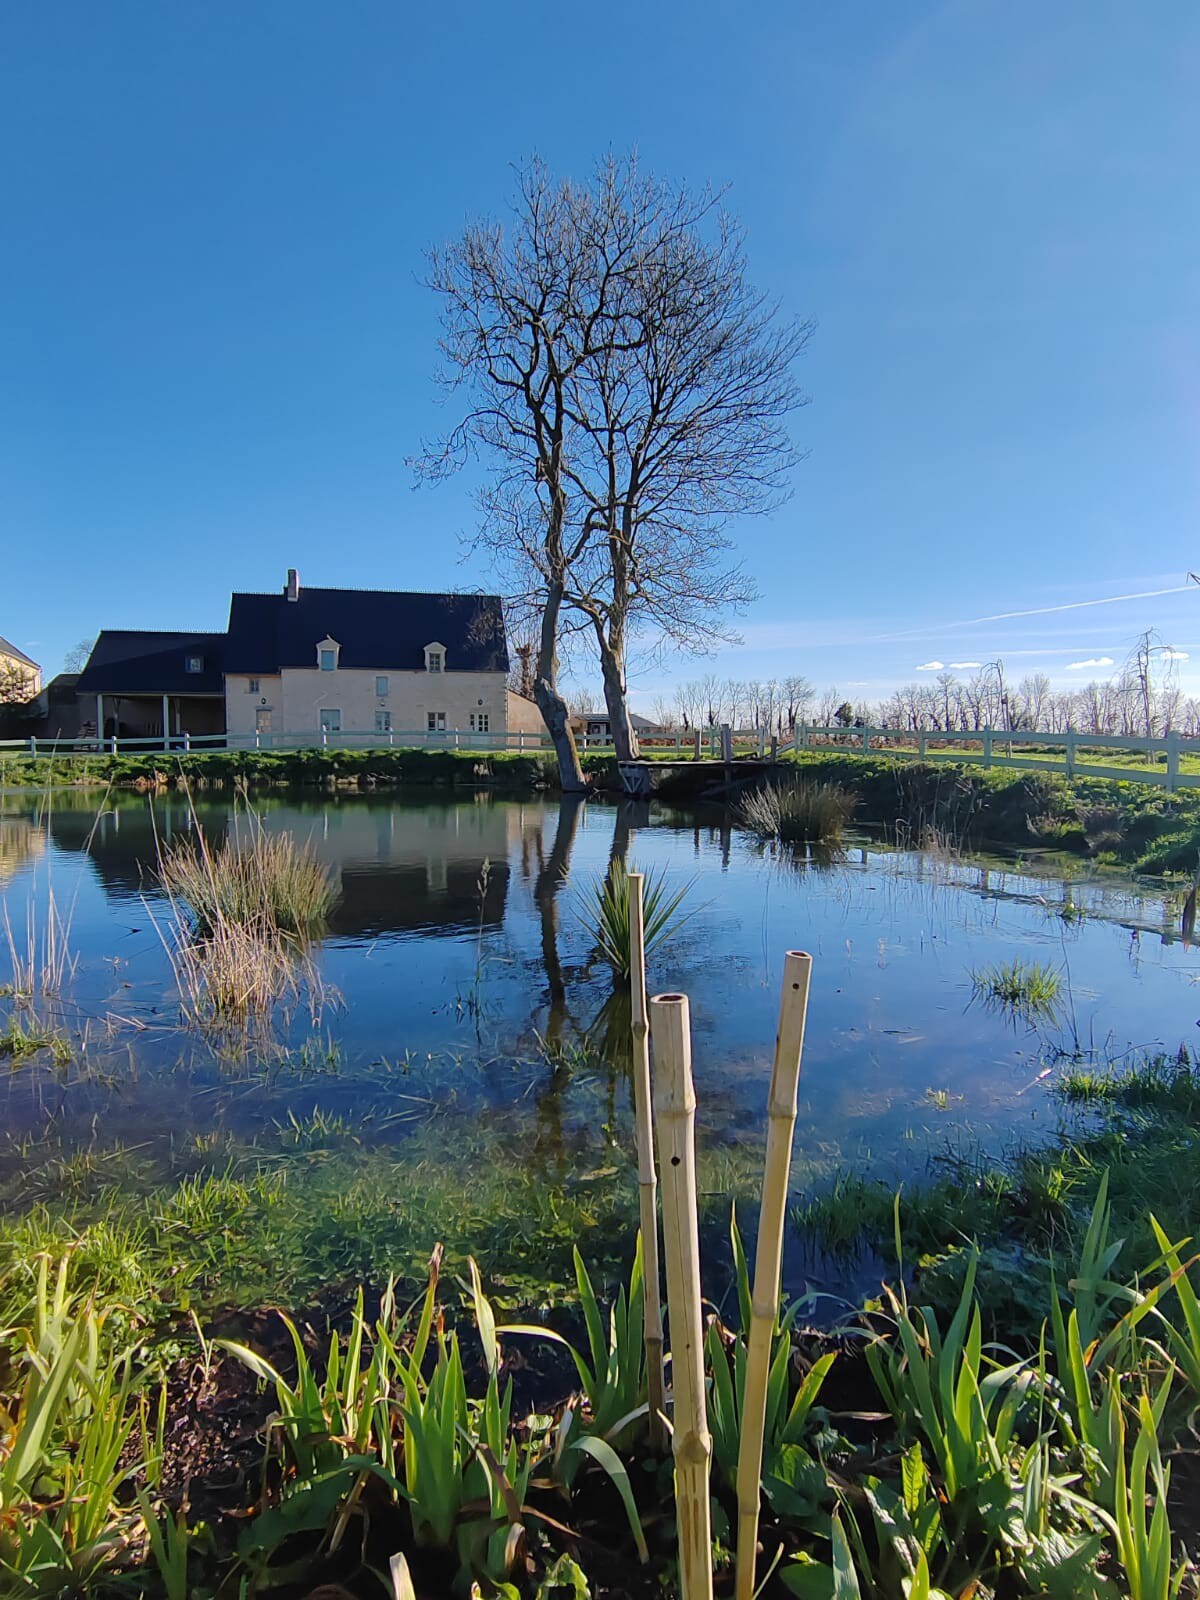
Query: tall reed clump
{"x":244,"y":913}
{"x":799,"y":812}
{"x":253,"y":875}
{"x":608,"y":921}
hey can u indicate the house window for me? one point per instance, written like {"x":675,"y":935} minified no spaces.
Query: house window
{"x":383,"y":722}
{"x":327,"y":654}
{"x":194,"y":663}
{"x":435,"y":656}
{"x":381,"y":686}
{"x":481,"y":722}
{"x":436,"y":721}
{"x":328,"y":660}
{"x":252,"y":686}
{"x":331,"y":722}
{"x":435,"y":661}
{"x":262,"y":719}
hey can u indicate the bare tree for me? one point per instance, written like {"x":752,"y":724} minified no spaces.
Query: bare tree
{"x":633,"y":390}
{"x":76,"y":657}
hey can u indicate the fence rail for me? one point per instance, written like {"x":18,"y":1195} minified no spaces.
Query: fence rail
{"x":1162,"y":758}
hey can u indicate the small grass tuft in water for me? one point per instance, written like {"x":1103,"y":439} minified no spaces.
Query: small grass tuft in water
{"x":1031,"y":988}
{"x":799,"y":812}
{"x":1164,"y":1083}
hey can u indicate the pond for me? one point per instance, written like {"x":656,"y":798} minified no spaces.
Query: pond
{"x":464,"y":993}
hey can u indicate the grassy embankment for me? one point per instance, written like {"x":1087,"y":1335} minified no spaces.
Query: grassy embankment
{"x":1127,"y":824}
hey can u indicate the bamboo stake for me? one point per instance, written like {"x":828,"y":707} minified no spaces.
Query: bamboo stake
{"x":675,"y":1117}
{"x":647,"y":1177}
{"x":781,"y":1124}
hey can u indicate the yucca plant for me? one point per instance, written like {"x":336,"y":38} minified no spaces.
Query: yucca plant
{"x":607,"y":916}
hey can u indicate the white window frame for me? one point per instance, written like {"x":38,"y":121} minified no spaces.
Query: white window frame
{"x":193,"y":664}
{"x":481,"y":722}
{"x":381,"y":685}
{"x":383,"y":721}
{"x":328,"y":647}
{"x":435,"y":656}
{"x":435,"y":722}
{"x":252,"y":686}
{"x":331,"y":719}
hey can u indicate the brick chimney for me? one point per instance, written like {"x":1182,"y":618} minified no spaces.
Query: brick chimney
{"x":293,"y":584}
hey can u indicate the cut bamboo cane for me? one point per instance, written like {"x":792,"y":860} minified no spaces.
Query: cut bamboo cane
{"x":675,"y":1119}
{"x":781,"y":1124}
{"x":647,"y":1177}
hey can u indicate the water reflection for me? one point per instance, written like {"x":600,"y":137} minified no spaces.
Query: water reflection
{"x":458,"y":945}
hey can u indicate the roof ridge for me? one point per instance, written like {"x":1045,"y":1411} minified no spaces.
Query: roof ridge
{"x":319,"y":588}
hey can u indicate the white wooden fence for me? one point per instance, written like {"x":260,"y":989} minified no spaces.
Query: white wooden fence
{"x":1075,"y":754}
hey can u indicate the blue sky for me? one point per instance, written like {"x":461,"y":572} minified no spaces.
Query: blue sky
{"x":216,"y":353}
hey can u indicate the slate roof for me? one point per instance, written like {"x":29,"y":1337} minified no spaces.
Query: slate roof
{"x":379,"y":630}
{"x":7,"y":649}
{"x":137,"y":661}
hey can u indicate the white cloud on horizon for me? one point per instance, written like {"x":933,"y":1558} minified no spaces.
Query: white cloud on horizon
{"x":961,"y":666}
{"x":1175,"y":655}
{"x":932,"y":666}
{"x":1093,"y":661}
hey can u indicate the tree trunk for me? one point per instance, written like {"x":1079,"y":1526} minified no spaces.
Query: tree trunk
{"x":616,"y":701}
{"x":550,"y":703}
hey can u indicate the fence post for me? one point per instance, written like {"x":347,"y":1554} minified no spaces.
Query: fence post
{"x":866,"y":740}
{"x":1172,"y":761}
{"x":726,"y":743}
{"x":1069,"y":741}
{"x":987,"y":747}
{"x":187,"y":741}
{"x":922,"y":744}
{"x":113,"y":746}
{"x":32,"y":744}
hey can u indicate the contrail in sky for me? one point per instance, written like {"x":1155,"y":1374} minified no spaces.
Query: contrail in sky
{"x":1040,"y":611}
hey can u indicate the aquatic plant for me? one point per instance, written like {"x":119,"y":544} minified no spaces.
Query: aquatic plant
{"x":253,"y":877}
{"x":607,"y":916}
{"x":1027,"y":988}
{"x":799,"y":811}
{"x":44,"y":963}
{"x":20,"y":1040}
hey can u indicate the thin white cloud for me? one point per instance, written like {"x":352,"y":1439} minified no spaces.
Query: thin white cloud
{"x":1092,"y":661}
{"x":1176,"y":655}
{"x":962,"y":666}
{"x":932,"y":666}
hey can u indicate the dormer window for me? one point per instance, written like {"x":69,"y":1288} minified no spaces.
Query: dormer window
{"x":194,"y":663}
{"x":327,"y":654}
{"x":435,"y":657}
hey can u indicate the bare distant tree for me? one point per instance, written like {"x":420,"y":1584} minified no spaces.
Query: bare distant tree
{"x":522,"y":662}
{"x":77,"y":656}
{"x":633,"y":391}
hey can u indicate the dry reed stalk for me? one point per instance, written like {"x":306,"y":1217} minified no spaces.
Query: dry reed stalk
{"x":647,"y":1177}
{"x":675,"y":1117}
{"x":781,"y":1124}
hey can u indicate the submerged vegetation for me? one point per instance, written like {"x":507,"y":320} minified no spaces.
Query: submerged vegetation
{"x":799,"y":811}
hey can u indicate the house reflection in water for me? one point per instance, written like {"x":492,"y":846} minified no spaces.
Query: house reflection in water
{"x":20,"y":841}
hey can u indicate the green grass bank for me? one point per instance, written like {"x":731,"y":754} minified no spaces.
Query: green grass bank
{"x":950,"y":804}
